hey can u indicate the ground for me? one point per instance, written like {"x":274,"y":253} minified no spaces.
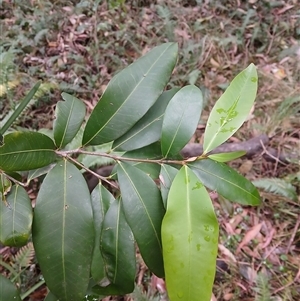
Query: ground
{"x":77,"y":46}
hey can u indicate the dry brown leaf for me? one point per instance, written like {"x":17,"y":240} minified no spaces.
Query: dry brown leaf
{"x":250,"y":235}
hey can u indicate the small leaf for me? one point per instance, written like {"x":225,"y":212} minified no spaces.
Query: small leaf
{"x":15,"y":218}
{"x":118,"y":249}
{"x":144,"y":212}
{"x":180,"y":120}
{"x":277,"y":186}
{"x":225,"y":157}
{"x":101,"y":199}
{"x":26,"y":151}
{"x":152,"y":152}
{"x":69,"y":116}
{"x":8,"y":290}
{"x":232,"y":109}
{"x":148,"y":129}
{"x":166,"y":177}
{"x":130,"y":94}
{"x":35,"y":173}
{"x":190,"y":239}
{"x":226,"y":181}
{"x":63,"y":232}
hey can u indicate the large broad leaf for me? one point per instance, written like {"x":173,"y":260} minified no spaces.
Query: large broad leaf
{"x":144,"y":212}
{"x":225,"y":157}
{"x":190,"y":239}
{"x":26,"y":151}
{"x":8,"y":290}
{"x":130,"y":94}
{"x":118,"y":249}
{"x":63,"y":232}
{"x":50,"y":297}
{"x":148,"y":129}
{"x":226,"y":181}
{"x":69,"y":116}
{"x":166,"y":177}
{"x":180,"y":120}
{"x":232,"y":109}
{"x":101,"y":199}
{"x":15,"y":218}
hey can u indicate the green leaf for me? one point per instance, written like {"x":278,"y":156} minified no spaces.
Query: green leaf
{"x":118,"y":249}
{"x":19,"y":109}
{"x":226,"y":181}
{"x":232,"y":109}
{"x":5,"y":185}
{"x":277,"y":186}
{"x":35,"y":173}
{"x":8,"y":290}
{"x":148,"y":129}
{"x":26,"y":151}
{"x":130,"y":94}
{"x":225,"y":157}
{"x":69,"y":116}
{"x":166,"y":177}
{"x":101,"y":199}
{"x":190,"y":239}
{"x":144,"y":212}
{"x":15,"y":218}
{"x":50,"y":297}
{"x":180,"y":120}
{"x":152,"y":152}
{"x":63,"y":232}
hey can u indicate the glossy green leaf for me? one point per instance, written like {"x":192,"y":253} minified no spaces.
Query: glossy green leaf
{"x":144,"y":212}
{"x":63,"y":232}
{"x":118,"y":249}
{"x":190,"y":239}
{"x":15,"y":218}
{"x":8,"y":291}
{"x":130,"y":94}
{"x":180,"y":120}
{"x":148,"y":129}
{"x":166,"y":177}
{"x":225,"y":157}
{"x":226,"y":181}
{"x":232,"y":109}
{"x":26,"y":151}
{"x":69,"y":117}
{"x":101,"y":199}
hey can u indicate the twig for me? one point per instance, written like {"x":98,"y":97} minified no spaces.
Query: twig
{"x":265,"y":151}
{"x":118,"y":158}
{"x":293,"y":234}
{"x":90,"y":171}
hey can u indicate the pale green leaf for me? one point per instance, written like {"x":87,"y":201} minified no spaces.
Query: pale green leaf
{"x":225,"y":157}
{"x":190,"y":239}
{"x":232,"y":109}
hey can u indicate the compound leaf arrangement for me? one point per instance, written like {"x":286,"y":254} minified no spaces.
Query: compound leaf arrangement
{"x":154,"y":199}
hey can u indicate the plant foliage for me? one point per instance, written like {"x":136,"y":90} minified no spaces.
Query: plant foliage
{"x":85,"y":243}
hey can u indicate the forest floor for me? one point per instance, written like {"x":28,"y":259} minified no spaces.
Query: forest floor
{"x":77,"y":47}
